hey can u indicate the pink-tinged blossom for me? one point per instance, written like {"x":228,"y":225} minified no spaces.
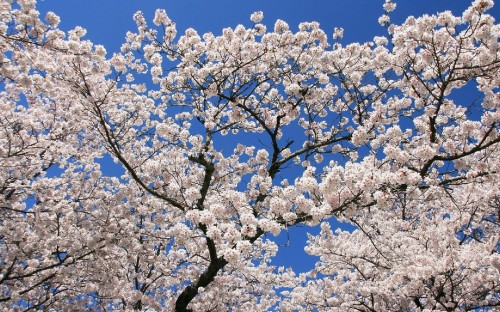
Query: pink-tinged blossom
{"x":384,"y":20}
{"x":280,"y":26}
{"x":52,"y":19}
{"x":338,"y":33}
{"x":389,"y":6}
{"x":257,"y":17}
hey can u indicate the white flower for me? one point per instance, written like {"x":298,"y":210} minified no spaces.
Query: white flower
{"x":214,"y":233}
{"x":249,"y":150}
{"x":156,"y":71}
{"x":280,"y":26}
{"x":384,"y":20}
{"x":338,"y":33}
{"x":292,"y":89}
{"x":100,"y":50}
{"x":119,"y":62}
{"x":52,"y":19}
{"x":482,"y":5}
{"x":256,"y":17}
{"x":156,"y":59}
{"x":192,"y":194}
{"x":389,"y":6}
{"x":381,"y":41}
{"x":231,"y":255}
{"x":262,"y":156}
{"x":161,"y":18}
{"x":318,"y":158}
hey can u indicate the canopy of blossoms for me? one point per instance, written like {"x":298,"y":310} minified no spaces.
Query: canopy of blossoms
{"x":234,"y":139}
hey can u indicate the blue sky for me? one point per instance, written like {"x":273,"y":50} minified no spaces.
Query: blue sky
{"x":107,"y":21}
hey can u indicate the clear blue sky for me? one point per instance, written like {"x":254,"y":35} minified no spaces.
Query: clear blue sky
{"x":107,"y":21}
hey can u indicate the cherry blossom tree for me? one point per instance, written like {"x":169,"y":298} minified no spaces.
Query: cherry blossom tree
{"x":236,"y":138}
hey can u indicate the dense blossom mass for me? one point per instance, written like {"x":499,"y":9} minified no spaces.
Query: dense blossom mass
{"x":235,"y":138}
